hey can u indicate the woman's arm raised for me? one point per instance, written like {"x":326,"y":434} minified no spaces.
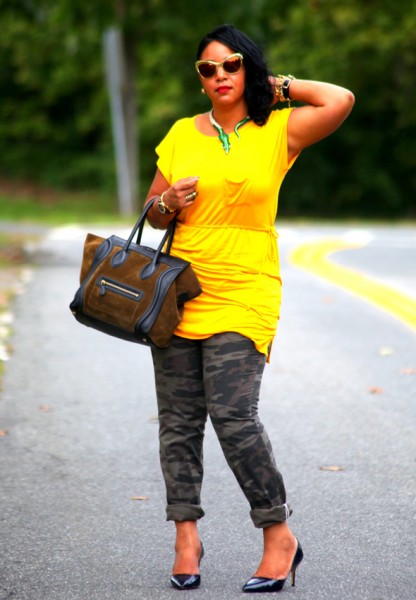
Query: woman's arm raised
{"x":327,"y":106}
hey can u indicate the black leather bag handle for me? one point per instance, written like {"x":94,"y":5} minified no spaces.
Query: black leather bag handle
{"x":138,"y":228}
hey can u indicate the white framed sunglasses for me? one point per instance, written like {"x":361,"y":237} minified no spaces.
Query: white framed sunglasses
{"x":231,"y":65}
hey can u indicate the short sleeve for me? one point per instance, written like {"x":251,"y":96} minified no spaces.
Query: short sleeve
{"x":165,"y":151}
{"x":281,"y":118}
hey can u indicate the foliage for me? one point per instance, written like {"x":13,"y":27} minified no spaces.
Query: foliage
{"x":52,"y":207}
{"x":54,"y":115}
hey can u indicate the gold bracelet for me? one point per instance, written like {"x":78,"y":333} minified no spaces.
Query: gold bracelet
{"x":281,"y":87}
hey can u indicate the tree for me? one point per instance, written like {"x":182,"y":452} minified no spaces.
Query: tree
{"x":368,"y":167}
{"x":54,"y":114}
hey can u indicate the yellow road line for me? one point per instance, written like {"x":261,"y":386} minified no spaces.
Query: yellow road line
{"x":313,"y":258}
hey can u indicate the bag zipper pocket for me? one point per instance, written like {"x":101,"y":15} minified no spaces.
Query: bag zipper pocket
{"x":106,"y":284}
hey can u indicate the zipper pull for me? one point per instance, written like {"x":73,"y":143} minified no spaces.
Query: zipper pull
{"x":102,"y":287}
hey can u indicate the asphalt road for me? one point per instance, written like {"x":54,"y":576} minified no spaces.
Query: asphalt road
{"x":81,"y":495}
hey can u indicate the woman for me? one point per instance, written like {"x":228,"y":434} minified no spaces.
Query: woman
{"x":219,"y":175}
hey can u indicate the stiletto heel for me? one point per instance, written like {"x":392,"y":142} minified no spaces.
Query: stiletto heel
{"x":265,"y":584}
{"x":296,"y":561}
{"x":185,"y":581}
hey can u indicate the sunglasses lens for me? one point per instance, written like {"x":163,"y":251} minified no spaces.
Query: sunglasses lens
{"x":206,"y":69}
{"x":232,"y":65}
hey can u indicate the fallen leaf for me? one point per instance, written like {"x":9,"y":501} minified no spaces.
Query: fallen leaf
{"x":375,"y":390}
{"x":409,"y":371}
{"x":45,"y":408}
{"x":135,"y":498}
{"x":4,"y":300}
{"x":4,"y":432}
{"x":332,"y":468}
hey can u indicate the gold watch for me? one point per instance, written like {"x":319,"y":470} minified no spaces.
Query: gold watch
{"x":162,"y":207}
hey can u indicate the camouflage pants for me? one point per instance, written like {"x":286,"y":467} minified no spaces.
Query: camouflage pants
{"x":220,"y":377}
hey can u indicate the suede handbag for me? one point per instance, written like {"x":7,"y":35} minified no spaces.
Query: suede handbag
{"x":131,"y":291}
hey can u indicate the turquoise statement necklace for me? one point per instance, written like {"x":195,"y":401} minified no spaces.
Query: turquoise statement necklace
{"x":222,"y":136}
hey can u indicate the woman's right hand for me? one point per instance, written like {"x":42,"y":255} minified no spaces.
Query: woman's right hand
{"x":181,"y":194}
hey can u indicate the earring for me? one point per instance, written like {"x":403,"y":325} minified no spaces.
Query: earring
{"x":203,"y":91}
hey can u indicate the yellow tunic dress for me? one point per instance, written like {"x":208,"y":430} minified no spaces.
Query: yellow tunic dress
{"x":228,"y":234}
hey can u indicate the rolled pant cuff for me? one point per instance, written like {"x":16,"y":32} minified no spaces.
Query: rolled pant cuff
{"x":264,"y":517}
{"x":183,"y":512}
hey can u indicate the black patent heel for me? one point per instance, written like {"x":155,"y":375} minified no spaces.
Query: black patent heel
{"x":296,"y":562}
{"x":265,"y":584}
{"x":185,"y":581}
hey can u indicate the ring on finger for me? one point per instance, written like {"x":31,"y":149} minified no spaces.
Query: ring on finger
{"x":190,"y":197}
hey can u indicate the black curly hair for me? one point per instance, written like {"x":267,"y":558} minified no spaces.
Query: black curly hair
{"x":258,"y":92}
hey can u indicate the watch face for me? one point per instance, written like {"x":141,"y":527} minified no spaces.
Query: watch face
{"x":161,"y":207}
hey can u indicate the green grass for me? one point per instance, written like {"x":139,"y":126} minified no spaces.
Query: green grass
{"x":56,"y":208}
